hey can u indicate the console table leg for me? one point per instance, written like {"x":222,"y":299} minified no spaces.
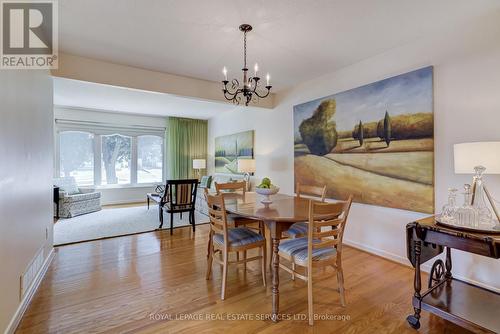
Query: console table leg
{"x":448,"y":263}
{"x":414,"y":320}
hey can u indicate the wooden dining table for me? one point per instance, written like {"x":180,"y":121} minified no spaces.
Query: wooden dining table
{"x":278,"y":216}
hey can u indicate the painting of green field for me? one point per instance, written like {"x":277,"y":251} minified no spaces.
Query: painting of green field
{"x":228,"y":149}
{"x":375,"y":142}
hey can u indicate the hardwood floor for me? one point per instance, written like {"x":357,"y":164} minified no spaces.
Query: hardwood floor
{"x":155,"y":283}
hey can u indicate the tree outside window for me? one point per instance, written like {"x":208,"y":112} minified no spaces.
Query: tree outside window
{"x":116,"y":157}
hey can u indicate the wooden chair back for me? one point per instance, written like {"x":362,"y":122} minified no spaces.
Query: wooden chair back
{"x":302,"y":189}
{"x":333,"y":215}
{"x":231,"y":186}
{"x":217,"y":214}
{"x":180,"y":193}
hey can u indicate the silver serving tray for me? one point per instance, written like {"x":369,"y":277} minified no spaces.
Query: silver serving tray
{"x":481,"y":229}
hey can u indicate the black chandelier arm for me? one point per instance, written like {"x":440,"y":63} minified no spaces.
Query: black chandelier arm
{"x":265,"y":95}
{"x":234,"y":85}
{"x":230,"y":96}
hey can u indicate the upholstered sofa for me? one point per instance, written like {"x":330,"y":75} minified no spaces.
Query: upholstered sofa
{"x":74,"y":201}
{"x":201,"y":203}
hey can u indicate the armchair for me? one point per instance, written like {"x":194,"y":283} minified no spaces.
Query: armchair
{"x":74,"y":201}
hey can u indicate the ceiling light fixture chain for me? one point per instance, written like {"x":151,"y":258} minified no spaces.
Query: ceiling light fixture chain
{"x":250,"y":90}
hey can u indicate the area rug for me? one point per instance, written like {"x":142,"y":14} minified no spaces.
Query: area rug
{"x":116,"y":222}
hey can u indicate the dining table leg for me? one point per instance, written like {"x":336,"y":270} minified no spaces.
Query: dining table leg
{"x":275,"y":237}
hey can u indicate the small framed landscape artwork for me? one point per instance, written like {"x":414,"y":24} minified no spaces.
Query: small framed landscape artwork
{"x":228,"y":149}
{"x":375,"y":142}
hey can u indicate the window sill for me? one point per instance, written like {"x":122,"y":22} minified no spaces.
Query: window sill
{"x":124,"y":186}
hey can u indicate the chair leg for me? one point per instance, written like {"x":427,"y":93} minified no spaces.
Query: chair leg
{"x":310,"y":295}
{"x":161,"y":219}
{"x":340,"y":280}
{"x":293,"y":271}
{"x":210,"y":258}
{"x":209,"y":249}
{"x":263,"y":263}
{"x":224,"y":275}
{"x":191,"y":214}
{"x":171,"y":223}
{"x":245,"y":258}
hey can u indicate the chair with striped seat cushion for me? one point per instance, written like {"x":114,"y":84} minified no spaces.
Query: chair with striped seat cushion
{"x":322,"y":247}
{"x":241,"y":188}
{"x":239,"y":236}
{"x":224,"y":240}
{"x":297,"y":250}
{"x":299,"y":230}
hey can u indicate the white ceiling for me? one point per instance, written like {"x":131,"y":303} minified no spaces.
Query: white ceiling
{"x":295,"y":40}
{"x":99,"y":97}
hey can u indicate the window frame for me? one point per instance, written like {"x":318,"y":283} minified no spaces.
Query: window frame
{"x":98,"y":132}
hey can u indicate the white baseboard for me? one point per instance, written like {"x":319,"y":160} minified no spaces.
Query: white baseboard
{"x":16,"y":319}
{"x":403,"y":260}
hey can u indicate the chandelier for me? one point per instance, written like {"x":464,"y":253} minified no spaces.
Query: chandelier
{"x":250,"y":89}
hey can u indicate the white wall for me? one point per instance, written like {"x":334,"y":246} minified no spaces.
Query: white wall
{"x":114,"y":195}
{"x":466,"y":105}
{"x":26,"y":144}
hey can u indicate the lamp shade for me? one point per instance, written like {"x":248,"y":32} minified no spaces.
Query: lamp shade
{"x":246,"y":165}
{"x":469,"y":155}
{"x":199,"y":164}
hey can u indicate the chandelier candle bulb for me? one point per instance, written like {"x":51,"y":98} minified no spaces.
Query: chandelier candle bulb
{"x":224,"y":70}
{"x":256,"y":69}
{"x":267,"y":79}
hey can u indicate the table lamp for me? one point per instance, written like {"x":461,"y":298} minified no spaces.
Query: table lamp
{"x":478,"y":158}
{"x":199,"y":164}
{"x":246,"y":166}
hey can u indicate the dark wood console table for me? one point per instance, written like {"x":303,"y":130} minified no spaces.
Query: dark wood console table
{"x":467,"y":305}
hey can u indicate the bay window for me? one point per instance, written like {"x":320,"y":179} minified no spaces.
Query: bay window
{"x":109,"y":155}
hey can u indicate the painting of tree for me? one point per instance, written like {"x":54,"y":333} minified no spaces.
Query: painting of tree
{"x":374,"y":142}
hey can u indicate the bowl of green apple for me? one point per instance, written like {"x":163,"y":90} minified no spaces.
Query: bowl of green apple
{"x":266,"y":188}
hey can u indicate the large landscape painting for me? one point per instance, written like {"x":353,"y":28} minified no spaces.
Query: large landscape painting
{"x":228,"y":149}
{"x":375,"y":142}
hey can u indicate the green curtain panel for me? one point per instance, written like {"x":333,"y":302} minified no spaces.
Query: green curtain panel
{"x":186,"y":139}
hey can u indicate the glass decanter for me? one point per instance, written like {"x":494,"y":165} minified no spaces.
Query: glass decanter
{"x":449,"y":212}
{"x":467,"y":215}
{"x":478,"y":201}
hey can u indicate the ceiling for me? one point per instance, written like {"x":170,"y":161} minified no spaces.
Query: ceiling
{"x":99,"y":97}
{"x":294,"y":40}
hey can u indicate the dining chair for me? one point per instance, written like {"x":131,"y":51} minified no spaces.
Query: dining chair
{"x":223,"y":240}
{"x":321,"y":248}
{"x":231,"y":186}
{"x":299,"y":229}
{"x":240,"y":187}
{"x":179,"y":197}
